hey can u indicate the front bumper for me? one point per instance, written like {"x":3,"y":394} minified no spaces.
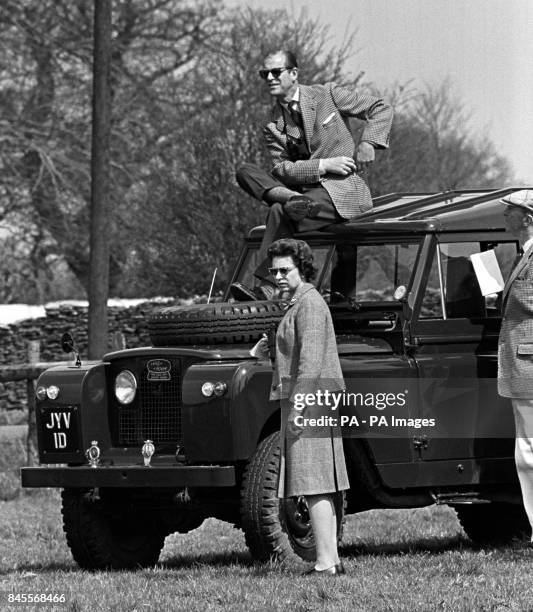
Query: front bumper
{"x":136,"y":476}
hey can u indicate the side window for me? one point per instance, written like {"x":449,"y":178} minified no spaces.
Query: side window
{"x":452,"y":286}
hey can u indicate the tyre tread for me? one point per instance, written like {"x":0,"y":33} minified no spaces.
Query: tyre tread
{"x":213,"y":323}
{"x":91,"y":542}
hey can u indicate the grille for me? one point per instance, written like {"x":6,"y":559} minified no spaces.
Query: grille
{"x":156,"y":413}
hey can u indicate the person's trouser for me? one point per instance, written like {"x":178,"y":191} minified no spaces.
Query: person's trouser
{"x":256,"y":182}
{"x":523,"y":416}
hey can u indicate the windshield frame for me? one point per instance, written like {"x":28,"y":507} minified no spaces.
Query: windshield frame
{"x":326,"y":243}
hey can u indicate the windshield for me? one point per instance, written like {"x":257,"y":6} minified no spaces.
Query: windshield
{"x":250,"y":263}
{"x":368,"y":273}
{"x":365,"y":273}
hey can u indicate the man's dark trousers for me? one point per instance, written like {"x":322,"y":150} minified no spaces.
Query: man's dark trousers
{"x":256,"y":182}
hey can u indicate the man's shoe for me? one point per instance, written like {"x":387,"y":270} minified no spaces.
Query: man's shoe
{"x":242,"y":293}
{"x":300,"y":207}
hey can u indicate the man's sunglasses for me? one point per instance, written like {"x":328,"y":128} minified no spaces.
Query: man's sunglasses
{"x":275,"y":72}
{"x":282,"y":271}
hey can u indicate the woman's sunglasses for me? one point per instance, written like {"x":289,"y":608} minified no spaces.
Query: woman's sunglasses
{"x":282,"y":271}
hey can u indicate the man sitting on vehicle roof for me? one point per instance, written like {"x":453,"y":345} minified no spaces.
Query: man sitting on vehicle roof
{"x":315,"y":180}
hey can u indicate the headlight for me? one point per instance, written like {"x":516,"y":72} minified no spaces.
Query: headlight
{"x":208,"y":388}
{"x":52,"y":392}
{"x":125,"y":387}
{"x":220,"y":388}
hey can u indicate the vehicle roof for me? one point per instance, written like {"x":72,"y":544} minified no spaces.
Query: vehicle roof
{"x":446,"y":211}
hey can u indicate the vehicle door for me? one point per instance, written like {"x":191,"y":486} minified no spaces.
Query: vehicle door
{"x":454,"y":335}
{"x":359,"y":284}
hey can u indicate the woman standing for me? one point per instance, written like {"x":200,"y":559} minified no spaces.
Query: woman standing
{"x":312,"y":459}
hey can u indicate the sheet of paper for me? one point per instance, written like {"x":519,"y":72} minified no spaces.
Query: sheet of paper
{"x":488,"y":273}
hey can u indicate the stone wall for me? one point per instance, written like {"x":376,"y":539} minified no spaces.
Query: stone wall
{"x":130,"y":321}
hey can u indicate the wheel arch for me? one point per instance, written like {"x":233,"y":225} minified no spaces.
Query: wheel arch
{"x":272,"y":424}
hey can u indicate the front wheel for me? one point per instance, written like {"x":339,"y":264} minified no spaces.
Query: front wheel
{"x":105,"y":536}
{"x":277,"y":528}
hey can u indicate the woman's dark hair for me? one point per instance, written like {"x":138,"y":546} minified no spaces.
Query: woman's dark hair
{"x":299,"y":251}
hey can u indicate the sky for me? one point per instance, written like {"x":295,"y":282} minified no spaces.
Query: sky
{"x":485,"y":47}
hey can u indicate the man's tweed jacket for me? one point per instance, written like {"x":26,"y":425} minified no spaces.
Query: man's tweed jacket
{"x":311,"y":458}
{"x":515,"y":348}
{"x":323,"y":108}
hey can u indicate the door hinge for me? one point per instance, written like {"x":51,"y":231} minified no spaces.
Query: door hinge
{"x":420,"y":443}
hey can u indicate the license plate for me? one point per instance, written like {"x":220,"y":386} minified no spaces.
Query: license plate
{"x":59,"y":429}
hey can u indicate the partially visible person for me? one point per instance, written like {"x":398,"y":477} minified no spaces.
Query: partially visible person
{"x":311,"y":462}
{"x":515,"y":347}
{"x":318,"y":176}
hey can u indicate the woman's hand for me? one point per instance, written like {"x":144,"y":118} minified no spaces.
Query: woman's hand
{"x":260,"y":350}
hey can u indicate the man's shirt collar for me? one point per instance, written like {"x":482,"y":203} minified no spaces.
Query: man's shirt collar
{"x":527,"y":244}
{"x":295,"y":98}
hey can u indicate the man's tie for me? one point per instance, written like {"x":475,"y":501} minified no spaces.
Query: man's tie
{"x":294,"y":110}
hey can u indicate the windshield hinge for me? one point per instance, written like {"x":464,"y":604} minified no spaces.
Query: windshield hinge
{"x":420,"y":443}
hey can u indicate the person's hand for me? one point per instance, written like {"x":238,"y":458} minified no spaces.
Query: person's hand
{"x":365,"y":155}
{"x":260,"y":350}
{"x":339,"y":165}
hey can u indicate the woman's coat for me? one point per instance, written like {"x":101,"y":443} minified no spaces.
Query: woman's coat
{"x":312,"y":457}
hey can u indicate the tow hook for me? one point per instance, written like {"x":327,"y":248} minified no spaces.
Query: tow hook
{"x":183,"y":497}
{"x":92,"y":496}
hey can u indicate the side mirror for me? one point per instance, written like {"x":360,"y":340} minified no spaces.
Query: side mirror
{"x":67,"y":343}
{"x":400,"y":294}
{"x":68,"y":346}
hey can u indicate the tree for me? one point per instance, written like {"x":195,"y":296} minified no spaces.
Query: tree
{"x":187,"y":111}
{"x":45,"y":96}
{"x":433,"y":148}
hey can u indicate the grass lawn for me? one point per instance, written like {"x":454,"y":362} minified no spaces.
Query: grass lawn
{"x":396,"y":560}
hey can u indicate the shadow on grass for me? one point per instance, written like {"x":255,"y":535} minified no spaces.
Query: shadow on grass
{"x":419,"y":545}
{"x":39,"y":568}
{"x":243,"y":560}
{"x":213,"y":559}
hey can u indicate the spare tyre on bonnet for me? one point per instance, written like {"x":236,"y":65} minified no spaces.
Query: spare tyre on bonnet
{"x":217,"y":323}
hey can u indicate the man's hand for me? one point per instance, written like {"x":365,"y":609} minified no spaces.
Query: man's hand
{"x":338,"y":165}
{"x":365,"y":155}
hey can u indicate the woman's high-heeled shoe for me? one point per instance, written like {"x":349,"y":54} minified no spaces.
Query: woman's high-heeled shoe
{"x":329,"y":571}
{"x":339,"y":568}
